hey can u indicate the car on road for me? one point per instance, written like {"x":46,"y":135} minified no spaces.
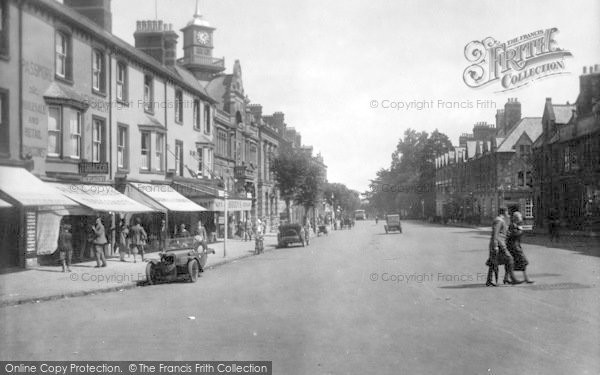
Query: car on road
{"x":183,"y":258}
{"x":289,"y":234}
{"x":392,"y":223}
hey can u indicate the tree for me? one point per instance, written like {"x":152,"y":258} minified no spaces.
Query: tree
{"x":409,"y":183}
{"x":289,"y":168}
{"x":309,"y":192}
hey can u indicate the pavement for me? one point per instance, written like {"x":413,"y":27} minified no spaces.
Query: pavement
{"x":43,"y":283}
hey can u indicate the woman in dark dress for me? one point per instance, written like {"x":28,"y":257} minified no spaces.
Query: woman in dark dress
{"x":513,"y":243}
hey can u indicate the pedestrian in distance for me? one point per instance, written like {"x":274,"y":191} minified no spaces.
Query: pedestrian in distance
{"x":138,"y":238}
{"x":99,"y":242}
{"x":162,"y":235}
{"x":553,"y":226}
{"x":513,"y":243}
{"x":201,"y":235}
{"x":65,"y":247}
{"x":498,"y":253}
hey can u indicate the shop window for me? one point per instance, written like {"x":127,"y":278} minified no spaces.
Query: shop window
{"x":159,"y":153}
{"x":178,"y":106}
{"x":122,"y":82}
{"x":98,"y":141}
{"x":122,"y":147}
{"x":63,"y":55}
{"x":98,"y":71}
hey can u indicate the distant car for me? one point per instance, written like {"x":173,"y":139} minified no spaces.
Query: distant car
{"x":392,"y":223}
{"x":184,"y":258}
{"x":289,"y":234}
{"x":360,"y":215}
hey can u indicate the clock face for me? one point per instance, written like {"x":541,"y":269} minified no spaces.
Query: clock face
{"x":202,"y":37}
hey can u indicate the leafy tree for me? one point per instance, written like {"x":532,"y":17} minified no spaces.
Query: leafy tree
{"x":409,"y":183}
{"x":289,"y":167}
{"x":309,"y":192}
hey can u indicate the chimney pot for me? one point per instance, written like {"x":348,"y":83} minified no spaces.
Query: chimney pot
{"x":597,"y":68}
{"x":584,"y":70}
{"x":591,"y":69}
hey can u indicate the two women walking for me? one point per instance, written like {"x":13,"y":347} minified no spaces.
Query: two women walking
{"x":505,"y":248}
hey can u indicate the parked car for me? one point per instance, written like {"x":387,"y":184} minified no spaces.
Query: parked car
{"x":184,"y":258}
{"x":392,"y":223}
{"x":290,"y":233}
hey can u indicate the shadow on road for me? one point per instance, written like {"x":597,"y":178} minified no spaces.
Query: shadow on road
{"x":464,"y":286}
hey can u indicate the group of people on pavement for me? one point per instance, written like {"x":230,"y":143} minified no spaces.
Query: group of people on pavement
{"x":505,"y":248}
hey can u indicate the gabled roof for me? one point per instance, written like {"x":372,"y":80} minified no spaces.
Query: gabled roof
{"x":471,"y":148}
{"x":530,"y":125}
{"x":575,"y":129}
{"x":562,"y":113}
{"x":218,"y":87}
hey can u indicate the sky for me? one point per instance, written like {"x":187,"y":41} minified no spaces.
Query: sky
{"x":335,"y":67}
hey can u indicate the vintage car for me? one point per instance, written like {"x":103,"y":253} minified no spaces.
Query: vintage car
{"x":392,"y":223}
{"x":183,"y":258}
{"x":290,"y":233}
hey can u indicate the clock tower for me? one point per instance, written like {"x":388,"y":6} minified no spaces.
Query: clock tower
{"x":198,"y":48}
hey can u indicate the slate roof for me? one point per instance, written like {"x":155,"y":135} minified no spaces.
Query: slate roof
{"x":530,"y":125}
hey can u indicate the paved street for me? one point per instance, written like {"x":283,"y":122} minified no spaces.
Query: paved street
{"x":353,"y":302}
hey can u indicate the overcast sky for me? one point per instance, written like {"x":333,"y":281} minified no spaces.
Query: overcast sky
{"x":323,"y":62}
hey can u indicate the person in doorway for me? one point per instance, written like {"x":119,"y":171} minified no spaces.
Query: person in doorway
{"x":138,"y":238}
{"x":100,"y":242}
{"x":65,"y":247}
{"x":123,"y":240}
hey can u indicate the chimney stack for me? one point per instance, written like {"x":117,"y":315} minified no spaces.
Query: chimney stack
{"x":158,"y":40}
{"x":98,"y":11}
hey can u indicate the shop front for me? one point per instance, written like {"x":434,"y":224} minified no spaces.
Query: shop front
{"x":171,"y":206}
{"x":238,"y":209}
{"x":100,"y":201}
{"x":30,"y":217}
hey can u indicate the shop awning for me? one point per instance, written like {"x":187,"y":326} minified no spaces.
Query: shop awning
{"x":102,"y":198}
{"x":161,"y":197}
{"x":207,"y":197}
{"x":28,"y":190}
{"x":218,"y":204}
{"x":4,"y":204}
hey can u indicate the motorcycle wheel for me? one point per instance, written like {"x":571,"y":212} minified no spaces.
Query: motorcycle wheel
{"x":193,"y":270}
{"x":150,"y":274}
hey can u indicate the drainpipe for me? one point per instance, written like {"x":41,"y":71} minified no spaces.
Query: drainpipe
{"x":110,"y":117}
{"x":20,"y":62}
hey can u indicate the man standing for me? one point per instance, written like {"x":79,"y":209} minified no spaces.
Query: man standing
{"x":498,"y":250}
{"x":200,"y":235}
{"x":138,"y":237}
{"x":99,"y":243}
